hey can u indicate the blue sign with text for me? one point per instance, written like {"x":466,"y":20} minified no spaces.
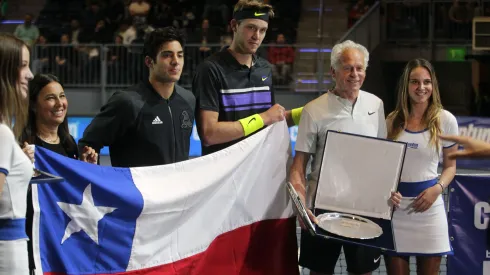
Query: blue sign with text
{"x":77,"y":126}
{"x":469,"y":211}
{"x":475,"y":127}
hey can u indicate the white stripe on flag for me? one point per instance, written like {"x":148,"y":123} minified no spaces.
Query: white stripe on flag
{"x":35,"y":231}
{"x":188,"y":204}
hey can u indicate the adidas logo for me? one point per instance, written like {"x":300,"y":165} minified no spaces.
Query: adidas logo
{"x":157,"y":120}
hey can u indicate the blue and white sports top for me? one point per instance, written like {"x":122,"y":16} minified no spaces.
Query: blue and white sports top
{"x":13,"y":199}
{"x":422,"y":160}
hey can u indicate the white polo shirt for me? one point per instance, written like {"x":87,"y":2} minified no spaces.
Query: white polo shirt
{"x":421,"y":158}
{"x":330,"y":112}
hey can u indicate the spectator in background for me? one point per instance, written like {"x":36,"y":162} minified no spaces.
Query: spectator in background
{"x":281,"y":57}
{"x":43,"y":56}
{"x":219,"y":6}
{"x":114,"y":14}
{"x":102,"y":34}
{"x":65,"y":57}
{"x":116,"y":61}
{"x":188,"y":19}
{"x":204,"y":36}
{"x":127,"y":31}
{"x":77,"y":34}
{"x":92,"y":15}
{"x":161,"y":15}
{"x":460,"y":18}
{"x":27,"y":32}
{"x":226,"y":38}
{"x":356,"y":12}
{"x":139,"y":11}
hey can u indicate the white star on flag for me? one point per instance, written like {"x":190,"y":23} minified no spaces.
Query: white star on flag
{"x":85,"y":216}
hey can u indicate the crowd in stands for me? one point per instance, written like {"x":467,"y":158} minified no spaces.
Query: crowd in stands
{"x":452,"y":20}
{"x":76,"y":29}
{"x":79,"y":27}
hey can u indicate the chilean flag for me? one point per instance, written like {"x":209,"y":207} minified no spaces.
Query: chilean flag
{"x":225,"y":213}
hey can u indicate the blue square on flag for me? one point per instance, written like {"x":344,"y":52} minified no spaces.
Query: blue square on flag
{"x":94,"y":212}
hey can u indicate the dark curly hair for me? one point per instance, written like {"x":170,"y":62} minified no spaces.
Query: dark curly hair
{"x":155,"y":40}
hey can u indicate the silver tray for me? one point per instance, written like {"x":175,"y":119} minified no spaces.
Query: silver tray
{"x":349,"y":226}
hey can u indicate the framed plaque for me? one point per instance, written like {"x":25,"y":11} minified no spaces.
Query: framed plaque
{"x":352,"y":200}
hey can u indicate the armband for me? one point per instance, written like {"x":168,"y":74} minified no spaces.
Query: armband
{"x":296,"y":115}
{"x":251,"y":124}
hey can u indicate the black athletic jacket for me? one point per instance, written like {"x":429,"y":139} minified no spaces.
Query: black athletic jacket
{"x":141,"y":128}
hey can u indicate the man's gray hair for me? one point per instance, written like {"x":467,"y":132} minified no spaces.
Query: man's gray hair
{"x":339,"y":49}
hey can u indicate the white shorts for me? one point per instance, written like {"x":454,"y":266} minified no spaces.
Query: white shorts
{"x":421,"y":234}
{"x":13,"y":257}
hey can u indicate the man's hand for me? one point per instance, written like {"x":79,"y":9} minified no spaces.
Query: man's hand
{"x":89,"y":155}
{"x":274,"y":114}
{"x":472,"y":147}
{"x":300,"y":189}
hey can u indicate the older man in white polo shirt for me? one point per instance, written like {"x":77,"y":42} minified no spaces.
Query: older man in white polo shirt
{"x":346,"y":108}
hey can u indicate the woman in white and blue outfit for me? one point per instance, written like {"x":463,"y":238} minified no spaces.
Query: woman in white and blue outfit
{"x":419,"y":221}
{"x":15,"y":167}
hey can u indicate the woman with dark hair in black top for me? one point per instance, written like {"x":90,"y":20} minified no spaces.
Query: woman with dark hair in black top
{"x":47,"y":127}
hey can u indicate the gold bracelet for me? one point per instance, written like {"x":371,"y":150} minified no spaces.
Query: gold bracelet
{"x":442,"y":186}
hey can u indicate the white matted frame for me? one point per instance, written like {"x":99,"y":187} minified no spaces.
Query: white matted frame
{"x":358,"y":173}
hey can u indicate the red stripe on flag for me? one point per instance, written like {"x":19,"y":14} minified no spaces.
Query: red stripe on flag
{"x":263,"y":248}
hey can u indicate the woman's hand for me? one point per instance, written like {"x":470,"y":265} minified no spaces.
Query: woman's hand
{"x":395,"y":199}
{"x":425,"y":199}
{"x":29,"y":151}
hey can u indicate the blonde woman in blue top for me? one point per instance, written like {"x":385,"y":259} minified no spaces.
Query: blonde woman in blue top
{"x":420,"y":222}
{"x":15,"y":167}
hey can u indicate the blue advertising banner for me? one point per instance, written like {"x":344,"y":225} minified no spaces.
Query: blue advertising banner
{"x":477,"y":128}
{"x":78,"y":124}
{"x":469,"y":214}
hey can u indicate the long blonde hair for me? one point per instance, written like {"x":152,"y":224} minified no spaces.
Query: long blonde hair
{"x":399,"y":117}
{"x":13,"y":106}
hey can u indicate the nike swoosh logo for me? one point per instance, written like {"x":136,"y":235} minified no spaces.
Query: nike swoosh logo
{"x":264,"y":78}
{"x":376,"y":260}
{"x":251,"y":120}
{"x":258,"y":14}
{"x":370,"y":113}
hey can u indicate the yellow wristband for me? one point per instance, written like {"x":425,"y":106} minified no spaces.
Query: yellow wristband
{"x":251,"y":124}
{"x":296,"y":115}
